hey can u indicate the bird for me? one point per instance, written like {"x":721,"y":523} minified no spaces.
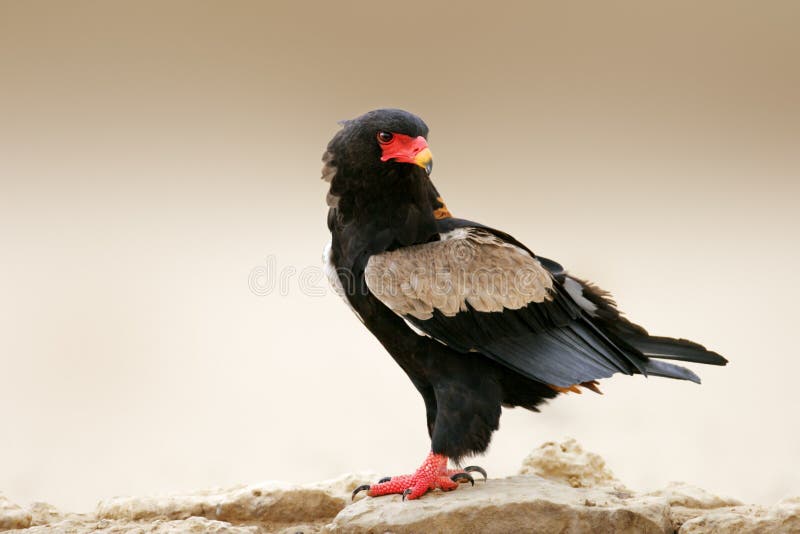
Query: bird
{"x":475,"y":319}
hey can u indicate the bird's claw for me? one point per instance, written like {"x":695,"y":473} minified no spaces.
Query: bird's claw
{"x":358,"y":489}
{"x":432,"y":474}
{"x":476,"y":469}
{"x":463,"y":477}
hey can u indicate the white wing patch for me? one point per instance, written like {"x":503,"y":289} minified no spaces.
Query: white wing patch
{"x":466,"y":267}
{"x":575,"y":290}
{"x":417,"y":331}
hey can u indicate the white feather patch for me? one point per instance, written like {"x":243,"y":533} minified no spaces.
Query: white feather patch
{"x":575,"y":290}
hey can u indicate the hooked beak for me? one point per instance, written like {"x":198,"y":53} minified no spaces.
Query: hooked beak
{"x":425,"y":160}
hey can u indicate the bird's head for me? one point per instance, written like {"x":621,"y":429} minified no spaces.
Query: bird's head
{"x":378,"y":147}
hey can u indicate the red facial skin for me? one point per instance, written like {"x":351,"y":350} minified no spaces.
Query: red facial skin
{"x":402,"y":148}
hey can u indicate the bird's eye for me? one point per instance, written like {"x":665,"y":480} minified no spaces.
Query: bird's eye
{"x":385,"y":137}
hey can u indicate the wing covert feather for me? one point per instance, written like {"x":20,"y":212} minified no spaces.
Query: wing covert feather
{"x":476,"y":291}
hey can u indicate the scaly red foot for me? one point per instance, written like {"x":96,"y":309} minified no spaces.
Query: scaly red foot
{"x":433,"y":473}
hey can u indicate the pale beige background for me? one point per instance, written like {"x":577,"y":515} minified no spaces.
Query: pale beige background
{"x":152,"y":154}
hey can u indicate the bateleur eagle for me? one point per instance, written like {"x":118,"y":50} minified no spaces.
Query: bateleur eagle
{"x":475,"y":319}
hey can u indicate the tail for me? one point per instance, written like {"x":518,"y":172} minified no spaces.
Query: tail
{"x":644,"y":349}
{"x":656,"y":348}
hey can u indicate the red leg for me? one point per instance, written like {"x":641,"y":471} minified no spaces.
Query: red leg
{"x":433,"y":473}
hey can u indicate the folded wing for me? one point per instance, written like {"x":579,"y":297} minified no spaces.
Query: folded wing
{"x":478,"y":290}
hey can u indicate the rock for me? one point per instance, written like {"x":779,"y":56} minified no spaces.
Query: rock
{"x":44,"y":514}
{"x":784,"y":517}
{"x":193,"y":525}
{"x":687,"y":502}
{"x":688,"y":496}
{"x":522,"y":503}
{"x":272,"y":505}
{"x":561,"y":488}
{"x":12,"y":516}
{"x":569,"y":463}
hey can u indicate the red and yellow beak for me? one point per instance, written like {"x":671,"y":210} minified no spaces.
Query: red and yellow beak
{"x":407,"y":149}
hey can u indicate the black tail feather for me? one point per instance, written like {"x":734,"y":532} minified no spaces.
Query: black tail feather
{"x":667,"y":348}
{"x":655,"y":348}
{"x":668,"y":370}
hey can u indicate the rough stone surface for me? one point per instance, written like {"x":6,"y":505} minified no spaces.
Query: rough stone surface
{"x":268,"y":505}
{"x":784,"y":517}
{"x":688,"y":496}
{"x":12,"y":515}
{"x":521,"y":503}
{"x":687,"y":502}
{"x":567,"y":462}
{"x":193,"y":525}
{"x":45,"y":514}
{"x":561,"y":489}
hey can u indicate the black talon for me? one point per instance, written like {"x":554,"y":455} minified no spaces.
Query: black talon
{"x":406,"y":492}
{"x":360,"y":488}
{"x":384,"y":479}
{"x":477,"y":469}
{"x":465,"y":477}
